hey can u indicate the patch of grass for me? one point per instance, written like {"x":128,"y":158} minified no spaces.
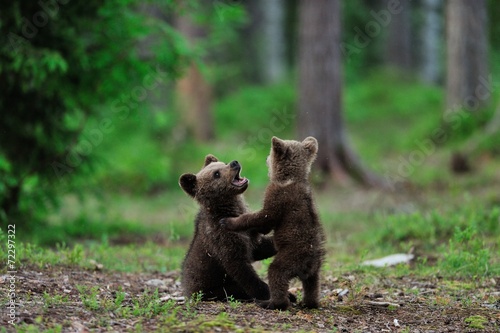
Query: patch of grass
{"x":54,"y":300}
{"x":221,"y":321}
{"x":89,"y":297}
{"x":190,"y":306}
{"x":347,"y":310}
{"x":126,"y":258}
{"x":136,"y":257}
{"x":32,"y":328}
{"x":85,"y":227}
{"x":476,"y":321}
{"x":429,"y":229}
{"x":149,"y":305}
{"x":466,"y":255}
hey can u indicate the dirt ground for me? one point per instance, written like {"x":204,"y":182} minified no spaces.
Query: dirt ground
{"x":361,"y":302}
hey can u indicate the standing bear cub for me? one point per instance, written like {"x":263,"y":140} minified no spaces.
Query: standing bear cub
{"x":218,"y":263}
{"x":289,"y":209}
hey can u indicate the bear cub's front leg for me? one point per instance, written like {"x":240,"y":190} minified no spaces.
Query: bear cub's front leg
{"x":229,"y":223}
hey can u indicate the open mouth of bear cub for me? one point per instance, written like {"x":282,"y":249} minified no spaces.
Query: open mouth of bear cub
{"x":239,"y":181}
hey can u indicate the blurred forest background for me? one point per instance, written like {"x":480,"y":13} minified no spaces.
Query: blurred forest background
{"x":105,"y":104}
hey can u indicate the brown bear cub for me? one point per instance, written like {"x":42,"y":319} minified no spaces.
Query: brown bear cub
{"x":289,"y":209}
{"x":218,"y":263}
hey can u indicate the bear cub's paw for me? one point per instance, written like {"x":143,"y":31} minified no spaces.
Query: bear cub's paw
{"x":273,"y":305}
{"x":310,"y":304}
{"x":227,"y":223}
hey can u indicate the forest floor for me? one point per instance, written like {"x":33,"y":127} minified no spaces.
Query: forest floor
{"x":66,"y":299}
{"x":132,"y":283}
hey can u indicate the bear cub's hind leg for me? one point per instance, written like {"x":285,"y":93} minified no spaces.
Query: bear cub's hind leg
{"x":311,"y":291}
{"x":279,"y":277}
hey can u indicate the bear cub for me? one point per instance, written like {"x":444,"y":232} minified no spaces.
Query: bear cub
{"x":288,"y":208}
{"x":218,"y":263}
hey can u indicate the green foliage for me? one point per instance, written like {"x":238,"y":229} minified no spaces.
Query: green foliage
{"x":359,"y":51}
{"x":257,"y":112}
{"x":432,"y":228}
{"x":246,"y":122}
{"x":494,"y":30}
{"x":414,"y":110}
{"x":467,"y":255}
{"x":54,"y":59}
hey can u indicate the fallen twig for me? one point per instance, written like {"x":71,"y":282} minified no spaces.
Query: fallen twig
{"x":383,"y":304}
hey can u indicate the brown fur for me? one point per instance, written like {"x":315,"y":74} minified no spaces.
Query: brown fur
{"x":289,"y":209}
{"x":218,"y":263}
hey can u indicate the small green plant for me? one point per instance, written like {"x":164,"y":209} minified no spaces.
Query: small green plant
{"x":89,"y":297}
{"x":150,"y":305}
{"x":476,"y":321}
{"x":75,"y":256}
{"x":191,"y":304}
{"x":392,"y":307}
{"x":119,"y":298}
{"x":466,"y":302}
{"x":196,"y":298}
{"x":233,"y":303}
{"x":52,"y":300}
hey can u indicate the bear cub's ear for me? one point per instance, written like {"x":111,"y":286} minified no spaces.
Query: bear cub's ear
{"x":311,"y":145}
{"x":209,"y":159}
{"x":279,"y":146}
{"x":188,"y":183}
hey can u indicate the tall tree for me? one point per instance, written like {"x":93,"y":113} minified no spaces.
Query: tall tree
{"x":273,"y":55}
{"x":431,"y":36}
{"x":467,"y":58}
{"x":398,"y":44}
{"x":194,"y":92}
{"x":265,"y":51}
{"x":320,"y":90}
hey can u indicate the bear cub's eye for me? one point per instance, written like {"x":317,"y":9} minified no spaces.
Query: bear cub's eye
{"x":216,"y":174}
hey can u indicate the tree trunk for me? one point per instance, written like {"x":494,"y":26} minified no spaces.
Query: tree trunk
{"x":398,"y":43}
{"x":265,"y":41}
{"x":467,"y":59}
{"x":273,"y":35}
{"x":432,"y":40}
{"x":320,"y":90}
{"x":194,"y":94}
